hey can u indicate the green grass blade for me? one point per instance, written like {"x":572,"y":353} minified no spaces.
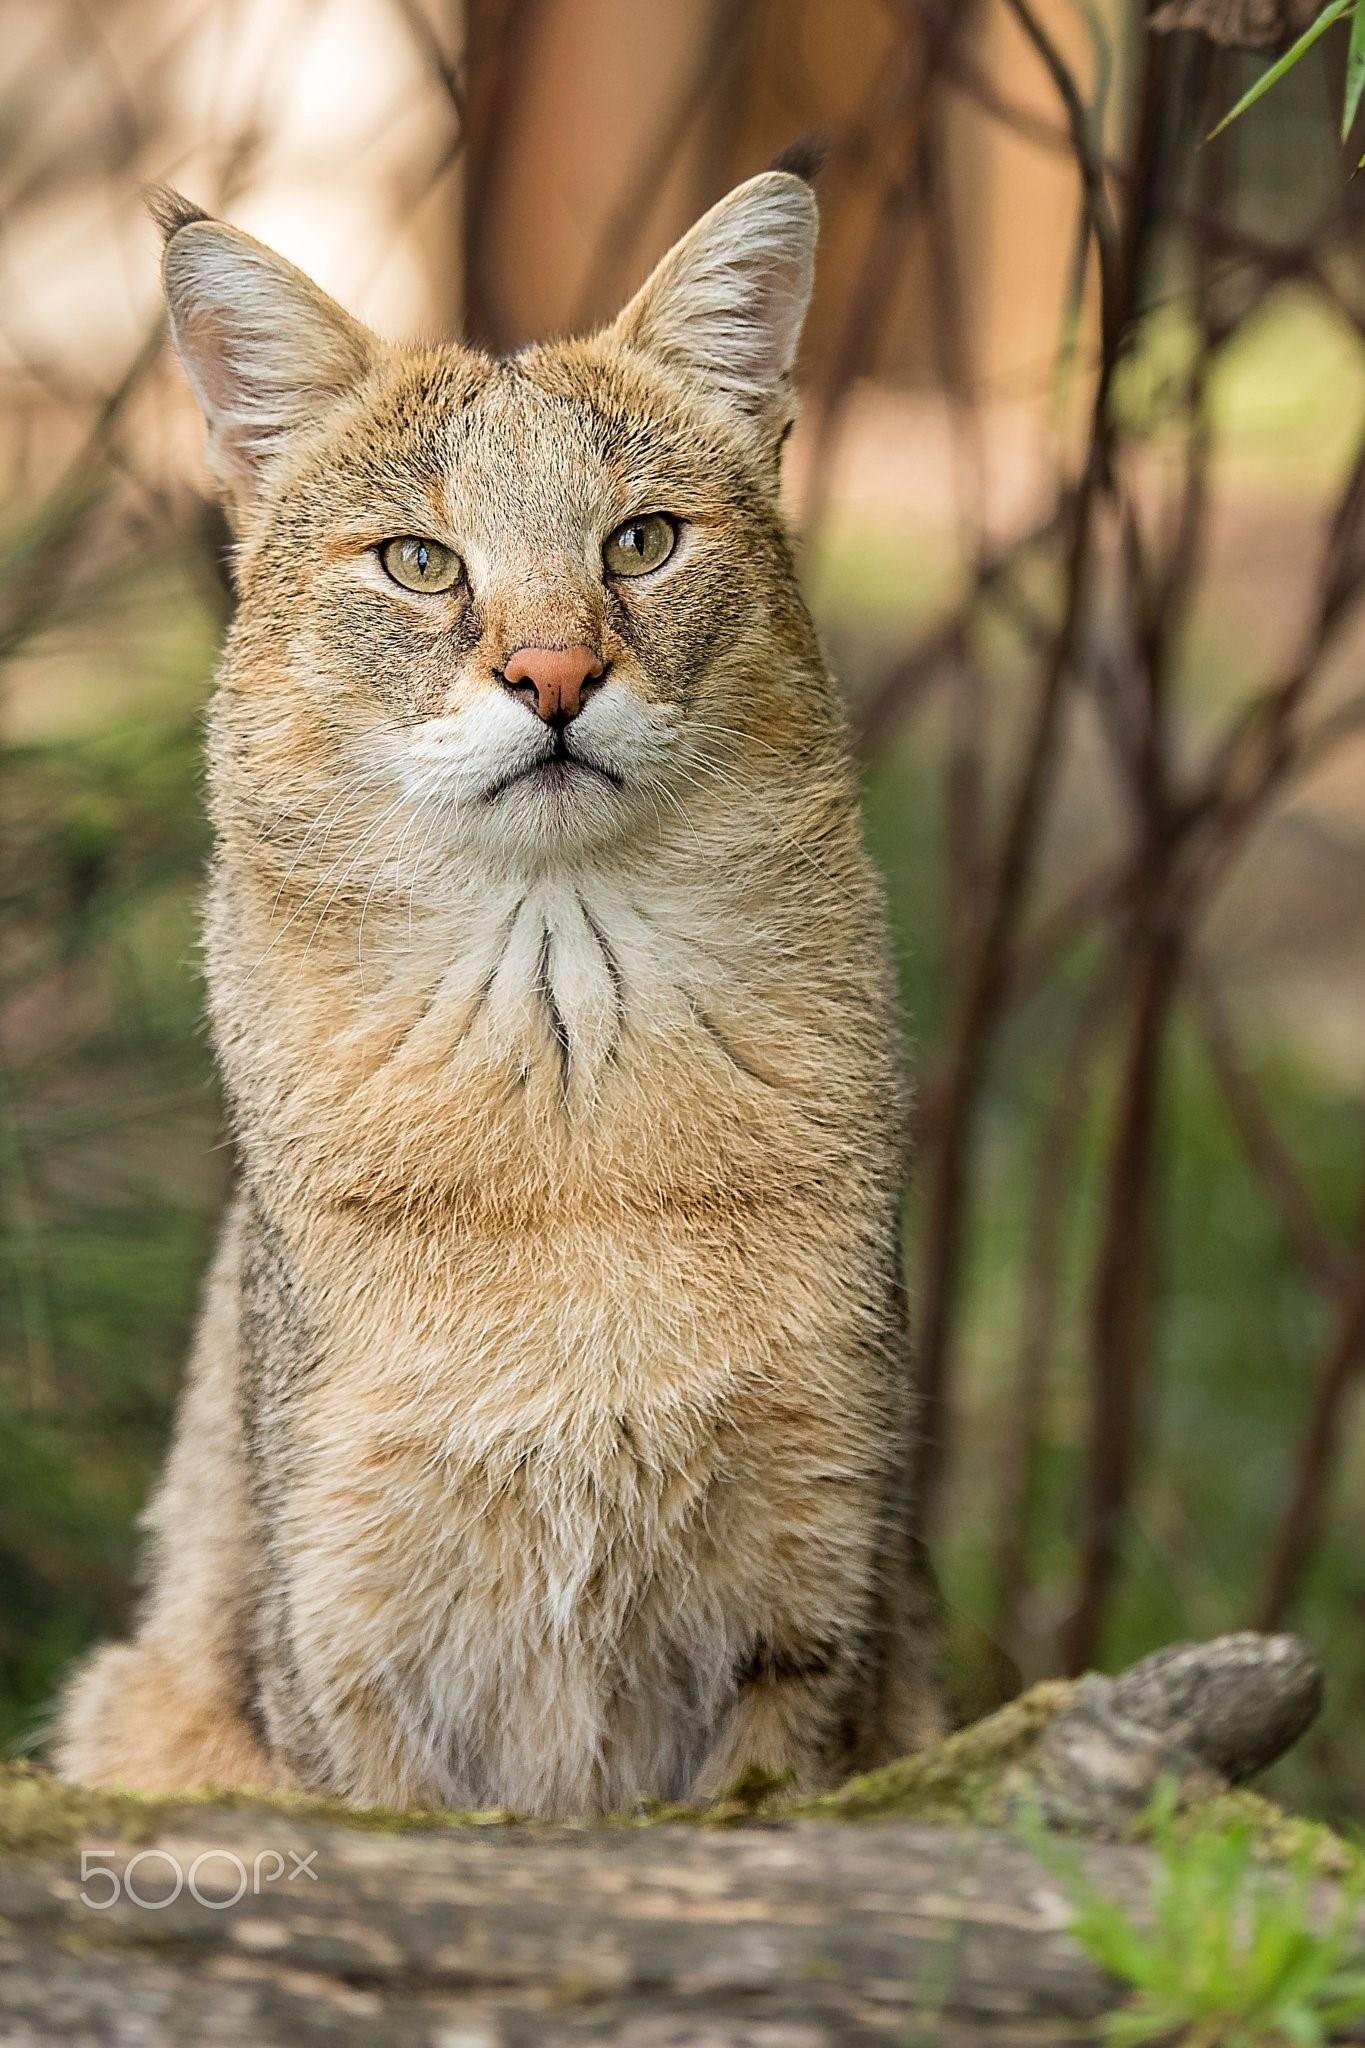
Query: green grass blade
{"x":1105,"y":1931}
{"x":1355,"y":71}
{"x":1141,"y":2028}
{"x":1334,"y":11}
{"x":1344,"y":2001}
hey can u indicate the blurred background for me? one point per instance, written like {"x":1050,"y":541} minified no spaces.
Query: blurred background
{"x":1080,"y":493}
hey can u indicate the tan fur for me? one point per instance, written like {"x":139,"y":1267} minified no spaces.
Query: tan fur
{"x":543,"y":1441}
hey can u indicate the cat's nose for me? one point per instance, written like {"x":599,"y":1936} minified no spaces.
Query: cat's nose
{"x":552,"y":681}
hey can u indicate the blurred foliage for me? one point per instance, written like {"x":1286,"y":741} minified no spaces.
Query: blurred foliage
{"x":1284,"y":396}
{"x":1350,"y":11}
{"x":110,"y":1169}
{"x":1235,"y":1957}
{"x":1240,"y":1316}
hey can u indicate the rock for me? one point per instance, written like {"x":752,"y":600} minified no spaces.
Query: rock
{"x":1204,"y":1715}
{"x":1089,"y":1753}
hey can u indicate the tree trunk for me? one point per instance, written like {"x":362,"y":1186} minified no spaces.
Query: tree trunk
{"x":785,"y":1936}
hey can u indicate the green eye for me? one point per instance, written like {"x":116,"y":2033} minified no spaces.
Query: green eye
{"x":421,"y":564}
{"x":640,"y":545}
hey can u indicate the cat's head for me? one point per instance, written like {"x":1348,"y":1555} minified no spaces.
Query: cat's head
{"x":554,"y":590}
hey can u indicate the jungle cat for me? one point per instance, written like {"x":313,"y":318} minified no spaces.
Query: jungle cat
{"x":543,"y":1443}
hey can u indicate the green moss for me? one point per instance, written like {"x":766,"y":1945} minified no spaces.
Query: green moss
{"x":966,"y":1778}
{"x":40,"y":1813}
{"x":1273,"y":1835}
{"x":979,"y":1777}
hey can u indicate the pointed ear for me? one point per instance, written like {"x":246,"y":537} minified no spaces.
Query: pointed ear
{"x":725,"y":306}
{"x":265,"y":350}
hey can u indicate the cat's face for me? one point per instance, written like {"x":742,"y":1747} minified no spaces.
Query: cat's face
{"x":554,"y":509}
{"x":539,"y":594}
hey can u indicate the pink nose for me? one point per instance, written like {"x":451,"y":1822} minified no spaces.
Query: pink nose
{"x":552,"y":681}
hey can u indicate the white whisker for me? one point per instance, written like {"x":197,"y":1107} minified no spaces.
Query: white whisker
{"x":355,"y":849}
{"x":346,"y":798}
{"x":351,"y":866}
{"x":396,"y":858}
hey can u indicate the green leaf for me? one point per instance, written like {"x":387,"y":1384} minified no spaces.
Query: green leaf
{"x":1302,"y":2029}
{"x":1334,"y":11}
{"x":1346,"y":1999}
{"x":1355,"y":71}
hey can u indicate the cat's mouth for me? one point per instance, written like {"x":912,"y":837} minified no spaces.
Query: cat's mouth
{"x":558,"y":773}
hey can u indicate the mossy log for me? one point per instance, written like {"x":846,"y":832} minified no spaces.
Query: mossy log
{"x":905,"y":1908}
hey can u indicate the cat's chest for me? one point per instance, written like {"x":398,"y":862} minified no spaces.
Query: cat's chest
{"x":521,"y":1594}
{"x":573,"y":974}
{"x":557,"y":1003}
{"x":555,"y":1050}
{"x":503,"y":1516}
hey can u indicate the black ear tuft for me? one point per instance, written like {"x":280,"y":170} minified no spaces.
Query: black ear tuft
{"x":803,"y":158}
{"x":170,"y":210}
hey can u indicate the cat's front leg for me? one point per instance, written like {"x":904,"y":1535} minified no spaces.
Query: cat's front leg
{"x":795,"y":1718}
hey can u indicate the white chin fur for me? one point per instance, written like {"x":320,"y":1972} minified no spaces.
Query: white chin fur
{"x":472,"y":753}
